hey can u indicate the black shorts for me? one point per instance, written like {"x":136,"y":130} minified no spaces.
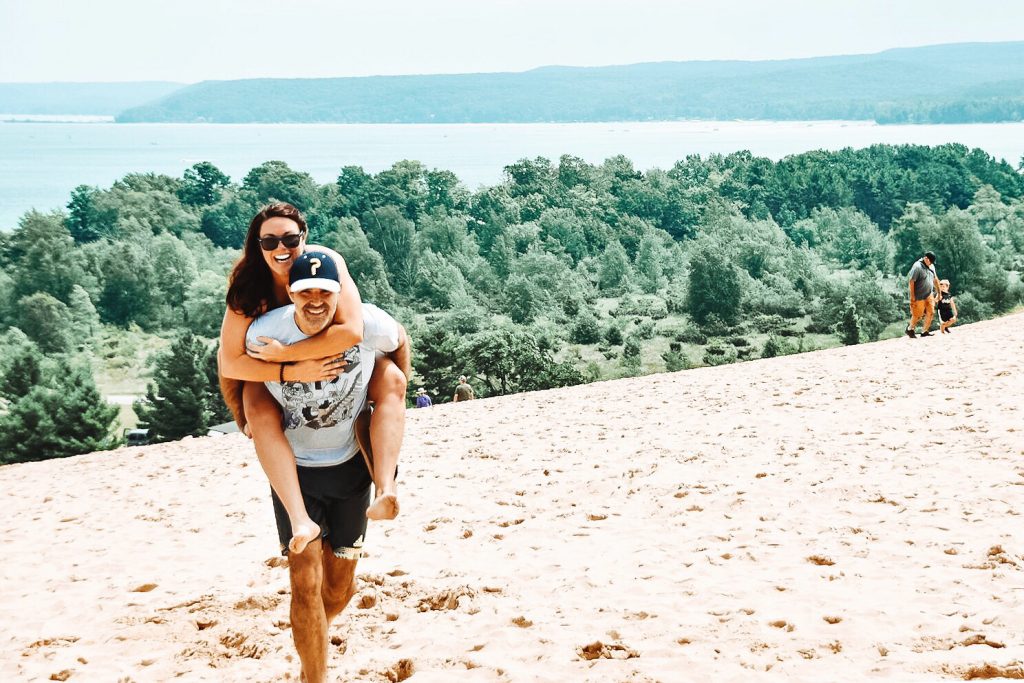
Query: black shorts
{"x":945,"y":315}
{"x":336,"y":498}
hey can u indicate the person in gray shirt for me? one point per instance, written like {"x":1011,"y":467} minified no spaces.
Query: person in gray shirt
{"x":321,"y":428}
{"x":924,"y":283}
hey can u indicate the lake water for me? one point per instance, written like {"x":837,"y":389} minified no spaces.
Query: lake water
{"x":40,"y":162}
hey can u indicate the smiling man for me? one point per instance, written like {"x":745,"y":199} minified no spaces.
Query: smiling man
{"x":320,"y":420}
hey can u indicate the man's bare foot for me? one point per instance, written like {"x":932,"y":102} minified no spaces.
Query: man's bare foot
{"x":303,"y":535}
{"x":385,"y":506}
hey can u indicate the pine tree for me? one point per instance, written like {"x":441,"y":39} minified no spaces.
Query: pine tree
{"x":849,"y":326}
{"x":85,"y":321}
{"x":21,"y":369}
{"x":631,"y":356}
{"x":27,"y":428}
{"x":175,"y":405}
{"x":83,"y":419}
{"x":215,"y":405}
{"x":62,"y":416}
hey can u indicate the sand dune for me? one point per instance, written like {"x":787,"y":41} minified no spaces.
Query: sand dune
{"x":842,"y":515}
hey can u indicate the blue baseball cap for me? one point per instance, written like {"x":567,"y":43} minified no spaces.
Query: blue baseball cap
{"x":314,"y":270}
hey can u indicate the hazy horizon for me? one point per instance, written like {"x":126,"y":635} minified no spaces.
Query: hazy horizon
{"x":535,"y":68}
{"x":115,"y":41}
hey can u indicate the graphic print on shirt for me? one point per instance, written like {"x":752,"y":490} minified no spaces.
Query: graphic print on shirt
{"x":317,"y":405}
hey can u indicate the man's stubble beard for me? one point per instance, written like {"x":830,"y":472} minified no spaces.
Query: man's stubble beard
{"x":311,"y":325}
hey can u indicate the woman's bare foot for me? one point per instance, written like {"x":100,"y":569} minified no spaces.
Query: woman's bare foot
{"x":302,"y":535}
{"x":385,"y":506}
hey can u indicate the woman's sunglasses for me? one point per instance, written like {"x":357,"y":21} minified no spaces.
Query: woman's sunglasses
{"x":290,"y":241}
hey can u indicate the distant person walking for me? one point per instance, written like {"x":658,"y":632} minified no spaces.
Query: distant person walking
{"x":924,"y":283}
{"x":422,"y":400}
{"x":947,"y":307}
{"x":463,"y":392}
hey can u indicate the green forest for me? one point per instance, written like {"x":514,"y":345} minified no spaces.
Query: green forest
{"x":565,"y":272}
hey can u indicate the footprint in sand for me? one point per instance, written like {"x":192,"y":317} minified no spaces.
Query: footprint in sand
{"x":783,"y":624}
{"x":445,"y":600}
{"x":599,"y":650}
{"x":400,"y":671}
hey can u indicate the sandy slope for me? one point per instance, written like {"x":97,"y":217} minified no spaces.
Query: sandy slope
{"x":842,"y":515}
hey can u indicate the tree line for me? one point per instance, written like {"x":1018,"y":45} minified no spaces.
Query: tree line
{"x":564,"y":272}
{"x":851,"y":87}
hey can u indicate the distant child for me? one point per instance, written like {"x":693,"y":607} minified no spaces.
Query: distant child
{"x":947,"y":307}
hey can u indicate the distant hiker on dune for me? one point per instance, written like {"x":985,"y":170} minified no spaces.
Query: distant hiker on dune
{"x":324,"y":430}
{"x":422,"y":399}
{"x":923,"y":285}
{"x":463,"y":392}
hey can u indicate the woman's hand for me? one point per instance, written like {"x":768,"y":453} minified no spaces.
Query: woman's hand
{"x":318,"y":370}
{"x":269,"y":350}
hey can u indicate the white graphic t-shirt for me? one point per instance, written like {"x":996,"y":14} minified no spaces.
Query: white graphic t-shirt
{"x":319,"y":416}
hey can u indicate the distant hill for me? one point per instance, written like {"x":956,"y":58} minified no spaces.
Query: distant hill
{"x":96,"y":99}
{"x":906,"y":84}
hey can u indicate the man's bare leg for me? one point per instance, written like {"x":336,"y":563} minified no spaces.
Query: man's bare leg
{"x":339,"y":583}
{"x":309,"y":621}
{"x":387,"y":428}
{"x":278,"y":462}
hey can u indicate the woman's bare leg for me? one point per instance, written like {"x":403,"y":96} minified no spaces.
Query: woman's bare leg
{"x":387,"y":427}
{"x":278,"y":461}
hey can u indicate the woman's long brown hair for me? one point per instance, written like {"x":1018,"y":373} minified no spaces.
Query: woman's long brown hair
{"x":251,"y":286}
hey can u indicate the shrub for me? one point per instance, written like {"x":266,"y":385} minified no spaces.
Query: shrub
{"x":585,"y":330}
{"x":691,"y":334}
{"x":770,"y":323}
{"x":675,"y":360}
{"x":716,"y":354}
{"x":649,"y":306}
{"x":645,"y":329}
{"x":774,"y":295}
{"x":632,"y":348}
{"x":613,"y":335}
{"x":970,"y":310}
{"x":713,"y":326}
{"x":775,"y":347}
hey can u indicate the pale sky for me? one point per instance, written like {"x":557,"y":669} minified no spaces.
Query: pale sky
{"x":195,"y":40}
